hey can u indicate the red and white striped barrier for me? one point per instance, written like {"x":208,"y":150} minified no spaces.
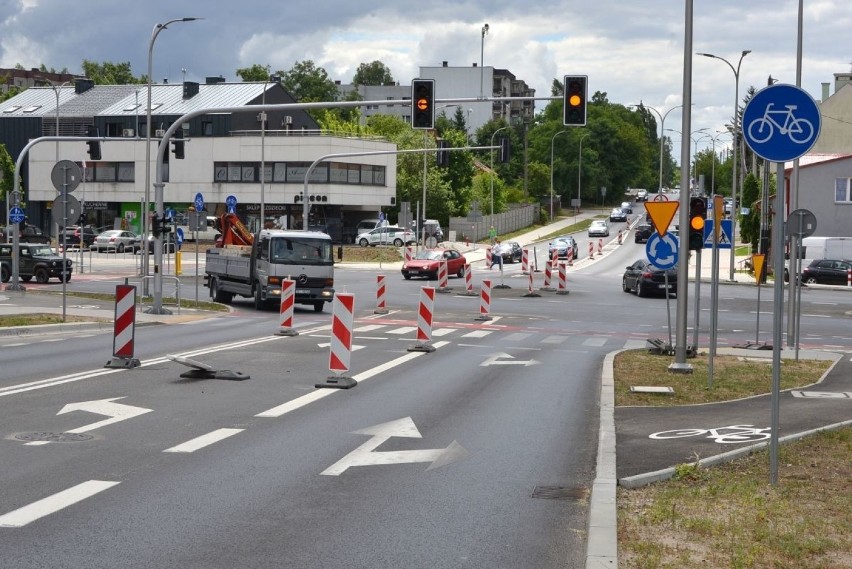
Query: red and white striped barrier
{"x":124,"y":329}
{"x":600,"y":246}
{"x":619,"y":237}
{"x":409,"y":254}
{"x":340,"y":350}
{"x":468,"y":280}
{"x":548,"y":273}
{"x":485,"y":300}
{"x":571,"y":257}
{"x":848,"y":277}
{"x":380,"y":295}
{"x":288,"y":301}
{"x":591,"y":249}
{"x":488,"y":257}
{"x":425,"y":313}
{"x":525,"y":261}
{"x":563,"y":279}
{"x":443,"y":277}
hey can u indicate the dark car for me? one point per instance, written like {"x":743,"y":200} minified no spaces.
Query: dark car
{"x":427,"y":261}
{"x":643,"y":232}
{"x":75,"y":233}
{"x":28,"y":234}
{"x":35,"y":260}
{"x":827,"y":271}
{"x":511,"y":251}
{"x":562,"y":245}
{"x":617,"y":214}
{"x":646,"y":279}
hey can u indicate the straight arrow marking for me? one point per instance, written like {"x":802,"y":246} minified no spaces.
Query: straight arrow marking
{"x":499,"y":359}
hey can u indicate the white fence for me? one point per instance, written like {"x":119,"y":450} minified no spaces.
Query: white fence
{"x":518,"y":217}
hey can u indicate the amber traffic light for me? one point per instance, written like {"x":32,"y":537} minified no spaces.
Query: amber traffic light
{"x":423,"y":103}
{"x":574,"y":100}
{"x":697,"y":215}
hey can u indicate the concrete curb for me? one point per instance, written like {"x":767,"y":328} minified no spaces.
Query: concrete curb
{"x":602,"y":535}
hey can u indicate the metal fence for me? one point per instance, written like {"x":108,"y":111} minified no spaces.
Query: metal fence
{"x":476,"y":229}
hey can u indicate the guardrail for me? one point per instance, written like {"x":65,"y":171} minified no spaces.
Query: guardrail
{"x":146,"y":282}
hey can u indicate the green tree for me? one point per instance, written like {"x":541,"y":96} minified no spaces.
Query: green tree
{"x":308,"y":83}
{"x":108,"y":73}
{"x":7,"y":172}
{"x":749,"y":225}
{"x":256,"y":72}
{"x":375,"y":73}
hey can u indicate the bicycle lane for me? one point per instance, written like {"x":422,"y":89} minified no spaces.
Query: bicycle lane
{"x":640,"y":458}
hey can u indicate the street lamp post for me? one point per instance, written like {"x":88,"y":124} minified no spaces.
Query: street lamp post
{"x":662,"y":138}
{"x":158,"y":246}
{"x":552,"y":140}
{"x":154,"y":33}
{"x":734,"y":165}
{"x":491,"y":152}
{"x":695,"y":149}
{"x":274,"y":79}
{"x":713,"y":167}
{"x":482,"y":62}
{"x":57,"y":90}
{"x":580,"y":171}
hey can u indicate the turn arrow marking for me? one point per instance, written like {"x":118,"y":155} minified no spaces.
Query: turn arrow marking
{"x":366,"y":455}
{"x":115,"y":411}
{"x":498,"y":360}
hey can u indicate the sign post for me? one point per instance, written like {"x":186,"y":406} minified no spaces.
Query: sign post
{"x":780,"y":123}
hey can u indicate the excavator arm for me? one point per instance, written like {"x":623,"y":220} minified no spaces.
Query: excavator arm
{"x":234,"y":232}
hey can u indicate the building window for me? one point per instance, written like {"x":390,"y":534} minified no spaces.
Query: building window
{"x":104,"y":171}
{"x":126,"y":171}
{"x":843,"y":190}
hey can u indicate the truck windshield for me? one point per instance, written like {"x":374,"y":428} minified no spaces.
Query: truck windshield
{"x":301,"y":251}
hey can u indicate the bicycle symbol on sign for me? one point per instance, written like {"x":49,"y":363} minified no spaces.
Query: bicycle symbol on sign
{"x":731,"y":434}
{"x":798,"y":130}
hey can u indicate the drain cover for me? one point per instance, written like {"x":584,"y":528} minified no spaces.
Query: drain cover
{"x":559,"y":493}
{"x":54,"y":437}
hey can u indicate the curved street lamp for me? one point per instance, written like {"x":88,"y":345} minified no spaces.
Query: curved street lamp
{"x":154,"y":33}
{"x":734,"y":165}
{"x":551,"y":171}
{"x":662,"y":138}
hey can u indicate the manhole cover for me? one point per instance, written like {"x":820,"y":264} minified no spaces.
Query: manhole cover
{"x":559,"y":493}
{"x":54,"y":437}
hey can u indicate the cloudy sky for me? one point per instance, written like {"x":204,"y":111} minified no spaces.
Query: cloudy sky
{"x":632,"y":50}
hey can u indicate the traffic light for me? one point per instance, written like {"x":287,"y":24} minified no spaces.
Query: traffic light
{"x":443,"y":156}
{"x":177,"y":139}
{"x":505,"y":151}
{"x":156,"y":226}
{"x":94,"y":150}
{"x":697,"y":217}
{"x":574,"y":100}
{"x":423,"y":103}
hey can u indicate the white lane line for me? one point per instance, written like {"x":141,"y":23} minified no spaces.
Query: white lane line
{"x":309,"y":398}
{"x":554,"y":339}
{"x":369,"y":327}
{"x":598,"y":341}
{"x":204,"y":440}
{"x":402,"y":330}
{"x":517,"y":337}
{"x":477,"y":334}
{"x":52,"y":504}
{"x":443,"y":331}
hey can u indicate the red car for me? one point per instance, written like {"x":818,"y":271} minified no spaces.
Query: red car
{"x":425,"y":263}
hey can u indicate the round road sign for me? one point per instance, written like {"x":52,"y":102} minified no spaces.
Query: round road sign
{"x":66,"y":210}
{"x":781,"y":122}
{"x":16,"y":215}
{"x":66,"y":176}
{"x":801,"y":223}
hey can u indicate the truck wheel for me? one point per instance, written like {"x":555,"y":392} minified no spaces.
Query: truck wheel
{"x":258,"y":297}
{"x":363,"y":243}
{"x":5,"y":274}
{"x":318,"y":306}
{"x":217,"y":295}
{"x":41,"y":275}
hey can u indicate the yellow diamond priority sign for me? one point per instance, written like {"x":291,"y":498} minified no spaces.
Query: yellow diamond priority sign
{"x":661,"y":214}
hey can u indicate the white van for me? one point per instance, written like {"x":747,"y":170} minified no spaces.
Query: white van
{"x":209,"y":233}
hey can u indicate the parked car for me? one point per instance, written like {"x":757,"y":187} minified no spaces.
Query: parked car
{"x":643,"y":232}
{"x":115,"y":241}
{"x":35,"y":260}
{"x":599,"y":228}
{"x":641,"y":195}
{"x":646,"y":279}
{"x":626,"y":207}
{"x":827,"y":271}
{"x":511,"y":251}
{"x":426,"y":262}
{"x":27,"y":234}
{"x":396,"y":236}
{"x":617,"y":214}
{"x":562,"y":245}
{"x":168,"y":245}
{"x":74,"y":234}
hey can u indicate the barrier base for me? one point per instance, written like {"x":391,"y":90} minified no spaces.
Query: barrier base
{"x":215,"y":374}
{"x":123,"y":363}
{"x":468,"y":293}
{"x":422,"y":347}
{"x":483,"y":317}
{"x":561,"y":292}
{"x":337,"y":382}
{"x":380,"y":311}
{"x":444,"y":289}
{"x":285,"y":331}
{"x":547,"y":289}
{"x":531,"y":295}
{"x":501,"y":286}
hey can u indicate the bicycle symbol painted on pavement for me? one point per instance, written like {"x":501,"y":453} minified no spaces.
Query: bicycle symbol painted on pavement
{"x":723,"y":435}
{"x":799,"y":130}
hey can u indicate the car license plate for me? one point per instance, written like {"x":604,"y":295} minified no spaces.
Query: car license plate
{"x":414,"y":272}
{"x":661,"y":286}
{"x":302,"y":291}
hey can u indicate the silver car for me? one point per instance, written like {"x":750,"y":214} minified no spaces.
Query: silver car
{"x":599,"y":228}
{"x":115,"y":241}
{"x":396,"y":236}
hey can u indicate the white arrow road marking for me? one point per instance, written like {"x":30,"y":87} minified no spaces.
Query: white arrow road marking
{"x":115,"y":411}
{"x":52,"y":504}
{"x":366,"y":455}
{"x":498,"y":360}
{"x":355,"y":347}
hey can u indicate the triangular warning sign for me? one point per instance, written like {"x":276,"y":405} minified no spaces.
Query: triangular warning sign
{"x":757,"y":261}
{"x":661,"y":214}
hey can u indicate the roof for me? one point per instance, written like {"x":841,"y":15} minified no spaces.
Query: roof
{"x":815,"y":159}
{"x":116,"y":100}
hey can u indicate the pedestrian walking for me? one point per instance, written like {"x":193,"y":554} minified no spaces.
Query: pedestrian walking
{"x":492,"y":236}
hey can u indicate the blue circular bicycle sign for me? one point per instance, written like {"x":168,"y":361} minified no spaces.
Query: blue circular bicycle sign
{"x":781,"y":122}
